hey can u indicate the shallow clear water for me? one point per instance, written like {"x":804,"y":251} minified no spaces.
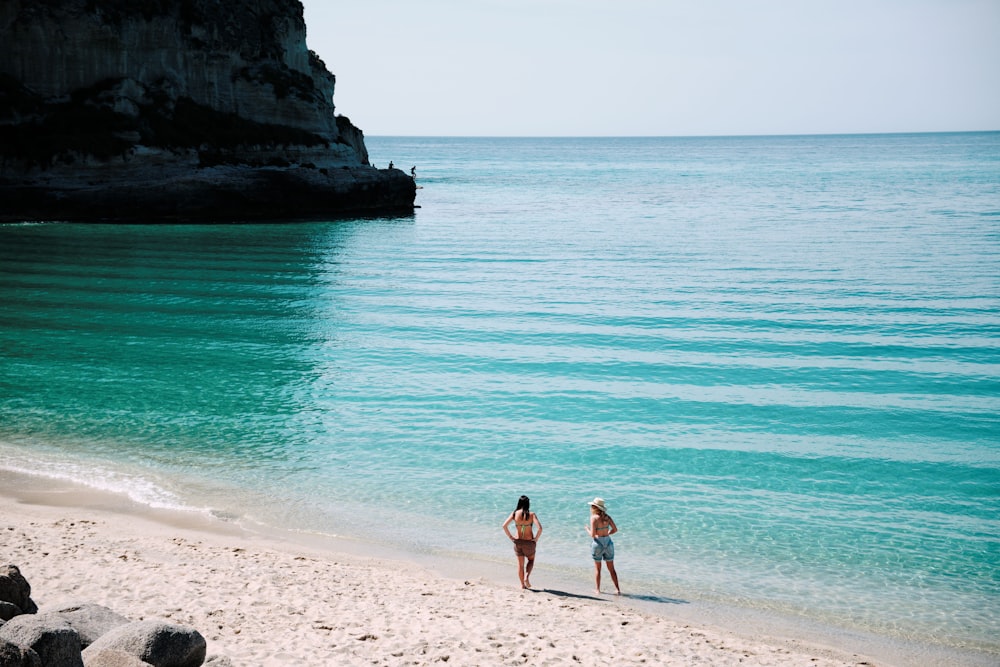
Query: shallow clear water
{"x":776,"y":358}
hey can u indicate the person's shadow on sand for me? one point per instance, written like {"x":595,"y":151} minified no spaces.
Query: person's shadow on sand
{"x":655,"y":598}
{"x":564,"y":594}
{"x":645,"y":598}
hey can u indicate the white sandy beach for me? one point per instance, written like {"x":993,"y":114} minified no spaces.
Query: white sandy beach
{"x":267,"y":602}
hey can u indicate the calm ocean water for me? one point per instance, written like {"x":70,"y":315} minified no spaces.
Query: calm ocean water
{"x":778,"y":359}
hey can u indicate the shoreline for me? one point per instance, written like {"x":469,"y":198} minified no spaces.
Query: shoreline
{"x":321,"y":597}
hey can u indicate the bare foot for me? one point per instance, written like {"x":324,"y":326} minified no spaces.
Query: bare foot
{"x":527,"y":584}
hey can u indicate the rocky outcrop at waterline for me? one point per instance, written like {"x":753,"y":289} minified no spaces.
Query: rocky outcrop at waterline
{"x":152,"y":110}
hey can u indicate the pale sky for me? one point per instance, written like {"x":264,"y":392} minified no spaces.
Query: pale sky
{"x":660,"y":67}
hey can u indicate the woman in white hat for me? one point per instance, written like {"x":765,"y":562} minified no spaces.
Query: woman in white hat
{"x":600,"y":529}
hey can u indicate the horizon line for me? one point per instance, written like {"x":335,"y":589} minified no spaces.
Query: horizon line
{"x":679,"y":136}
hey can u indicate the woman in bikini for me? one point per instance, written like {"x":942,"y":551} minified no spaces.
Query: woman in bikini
{"x":600,"y":529}
{"x":525,"y":522}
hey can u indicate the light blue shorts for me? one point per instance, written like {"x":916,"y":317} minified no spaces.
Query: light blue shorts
{"x":602,"y":548}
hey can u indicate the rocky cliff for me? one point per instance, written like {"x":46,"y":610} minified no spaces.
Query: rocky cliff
{"x":175,"y":109}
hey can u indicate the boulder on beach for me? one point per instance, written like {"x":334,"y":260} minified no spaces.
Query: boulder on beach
{"x":15,"y":590}
{"x":12,"y":655}
{"x":8,"y":610}
{"x":91,"y":621}
{"x":157,"y":642}
{"x":110,"y":657}
{"x":49,"y":635}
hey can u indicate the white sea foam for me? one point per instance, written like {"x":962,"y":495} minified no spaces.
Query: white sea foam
{"x":136,"y":487}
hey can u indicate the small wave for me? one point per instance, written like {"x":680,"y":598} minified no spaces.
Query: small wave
{"x":139,"y":490}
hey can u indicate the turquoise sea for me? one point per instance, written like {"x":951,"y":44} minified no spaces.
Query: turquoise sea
{"x":776,"y":358}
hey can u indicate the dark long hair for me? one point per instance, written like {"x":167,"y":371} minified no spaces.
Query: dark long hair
{"x":523,"y":504}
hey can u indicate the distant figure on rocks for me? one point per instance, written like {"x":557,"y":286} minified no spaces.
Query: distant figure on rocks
{"x":390,"y":164}
{"x":600,"y":529}
{"x":525,"y":521}
{"x":413,"y":172}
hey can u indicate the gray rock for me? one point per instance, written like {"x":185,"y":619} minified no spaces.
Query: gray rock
{"x":48,"y":635}
{"x":14,"y":588}
{"x":111,"y":657}
{"x":12,"y":655}
{"x":8,"y":610}
{"x":91,"y":621}
{"x":157,"y":642}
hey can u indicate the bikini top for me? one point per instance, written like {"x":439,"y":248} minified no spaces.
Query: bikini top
{"x":523,"y":529}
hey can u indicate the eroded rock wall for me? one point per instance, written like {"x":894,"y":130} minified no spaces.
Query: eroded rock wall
{"x":247,"y":57}
{"x":175,"y":109}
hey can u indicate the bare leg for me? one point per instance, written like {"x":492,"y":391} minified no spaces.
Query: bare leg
{"x":520,"y":570}
{"x":597,"y":575}
{"x":527,"y":573}
{"x":614,"y":575}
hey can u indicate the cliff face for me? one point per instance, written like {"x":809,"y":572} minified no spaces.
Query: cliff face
{"x":101,"y":97}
